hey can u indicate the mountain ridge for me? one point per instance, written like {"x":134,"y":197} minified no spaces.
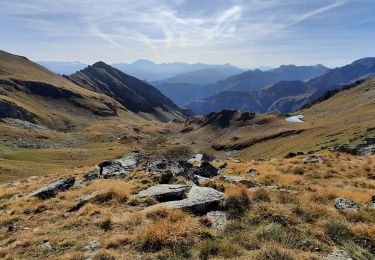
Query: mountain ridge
{"x":290,"y":97}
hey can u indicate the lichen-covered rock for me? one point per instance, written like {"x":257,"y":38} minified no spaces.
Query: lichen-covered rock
{"x":345,"y":204}
{"x":165,"y":192}
{"x":238,"y":180}
{"x":53,"y":189}
{"x":198,"y":200}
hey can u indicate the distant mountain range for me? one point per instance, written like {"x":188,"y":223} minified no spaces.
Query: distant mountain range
{"x":283,"y":96}
{"x":63,"y":67}
{"x":150,"y":71}
{"x":201,"y":77}
{"x":183,"y":94}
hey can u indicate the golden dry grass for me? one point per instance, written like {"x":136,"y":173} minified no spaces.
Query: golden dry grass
{"x":294,"y":226}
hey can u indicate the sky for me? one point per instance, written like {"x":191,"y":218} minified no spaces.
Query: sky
{"x":245,"y":33}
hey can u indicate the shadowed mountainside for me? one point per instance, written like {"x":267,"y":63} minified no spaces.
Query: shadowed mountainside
{"x":132,"y":93}
{"x":287,"y":96}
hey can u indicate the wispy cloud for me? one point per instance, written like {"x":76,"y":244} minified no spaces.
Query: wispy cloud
{"x":167,"y":29}
{"x":318,"y":11}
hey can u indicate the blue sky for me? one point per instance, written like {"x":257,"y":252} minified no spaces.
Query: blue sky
{"x":246,"y":33}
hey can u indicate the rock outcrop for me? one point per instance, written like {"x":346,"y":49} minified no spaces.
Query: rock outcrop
{"x":53,"y":189}
{"x":366,"y":148}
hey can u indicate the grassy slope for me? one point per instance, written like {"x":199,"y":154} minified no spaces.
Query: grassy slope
{"x":274,"y":223}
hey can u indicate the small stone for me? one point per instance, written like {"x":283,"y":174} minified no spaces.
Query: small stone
{"x":218,"y":219}
{"x":46,"y":245}
{"x":252,"y":172}
{"x":92,"y":246}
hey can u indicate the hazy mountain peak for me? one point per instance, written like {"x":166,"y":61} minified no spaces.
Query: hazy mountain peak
{"x":100,"y":64}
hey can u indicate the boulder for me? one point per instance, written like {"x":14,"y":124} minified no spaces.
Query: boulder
{"x":204,"y":157}
{"x":206,"y":170}
{"x":238,"y":180}
{"x":165,"y":192}
{"x":218,"y":219}
{"x":338,"y":255}
{"x":314,"y":159}
{"x":198,"y":200}
{"x":290,"y":155}
{"x":345,"y":205}
{"x":113,"y":169}
{"x":53,"y":189}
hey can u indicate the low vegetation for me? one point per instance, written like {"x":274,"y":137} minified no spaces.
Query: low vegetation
{"x":294,"y":220}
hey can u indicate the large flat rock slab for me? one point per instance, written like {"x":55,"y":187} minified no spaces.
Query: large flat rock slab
{"x":165,"y":192}
{"x":198,"y":200}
